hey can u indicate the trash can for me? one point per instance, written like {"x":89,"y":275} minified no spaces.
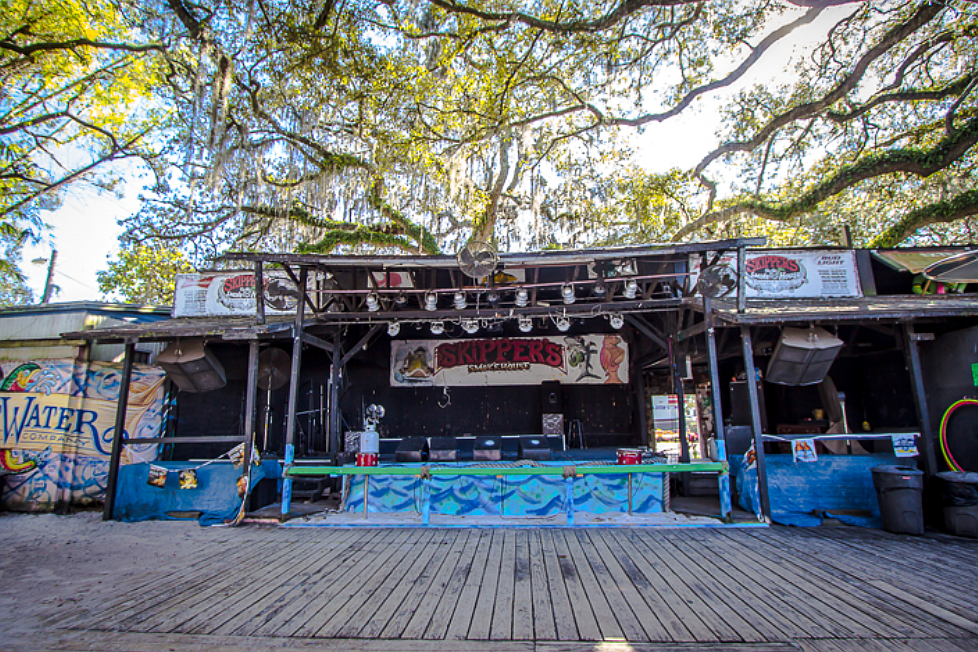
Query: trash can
{"x":959,"y":497}
{"x":899,"y":490}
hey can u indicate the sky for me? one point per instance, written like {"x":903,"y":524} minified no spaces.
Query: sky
{"x":85,"y":229}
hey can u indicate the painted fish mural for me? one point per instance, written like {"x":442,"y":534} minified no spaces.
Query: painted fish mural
{"x":16,"y":462}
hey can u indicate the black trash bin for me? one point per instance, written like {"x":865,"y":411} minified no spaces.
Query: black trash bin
{"x":959,"y":498}
{"x":899,"y":490}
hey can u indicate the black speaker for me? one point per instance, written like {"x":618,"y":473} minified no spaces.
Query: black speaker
{"x":192,"y":366}
{"x":443,"y":449}
{"x":552,"y":399}
{"x":534,"y":448}
{"x":488,"y":449}
{"x":411,"y":449}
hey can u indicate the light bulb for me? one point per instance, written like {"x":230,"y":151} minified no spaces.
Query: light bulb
{"x":460,"y":300}
{"x":522,"y":298}
{"x":631,"y":289}
{"x":431,"y":302}
{"x":373,"y":302}
{"x":568,"y":293}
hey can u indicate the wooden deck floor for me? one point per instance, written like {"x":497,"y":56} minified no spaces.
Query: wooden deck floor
{"x":818,"y":589}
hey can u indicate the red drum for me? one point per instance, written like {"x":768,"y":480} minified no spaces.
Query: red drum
{"x":629,"y":456}
{"x":367,"y":459}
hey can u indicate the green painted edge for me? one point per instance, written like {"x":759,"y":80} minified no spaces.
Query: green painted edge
{"x":296,"y":471}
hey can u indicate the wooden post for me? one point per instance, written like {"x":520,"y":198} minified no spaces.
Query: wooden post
{"x":293,"y":392}
{"x":251,"y":398}
{"x":755,"y":414}
{"x":260,"y":293}
{"x":119,"y":433}
{"x":920,"y":398}
{"x":334,"y":397}
{"x":741,"y":279}
{"x":726,"y":506}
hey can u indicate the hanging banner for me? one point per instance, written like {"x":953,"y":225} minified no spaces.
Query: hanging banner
{"x":581,"y":359}
{"x":798,"y":274}
{"x":232,"y":293}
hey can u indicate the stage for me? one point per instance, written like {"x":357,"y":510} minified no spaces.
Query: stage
{"x":561,"y":492}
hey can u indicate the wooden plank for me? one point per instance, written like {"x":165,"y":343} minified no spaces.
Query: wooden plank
{"x":666,"y":628}
{"x":564,"y":619}
{"x":523,"y":589}
{"x":230,"y":600}
{"x":751,"y":626}
{"x":444,"y":609}
{"x":543,"y":614}
{"x":927,"y":606}
{"x":349,"y":619}
{"x":260,"y":603}
{"x":746,"y":595}
{"x":820,"y":590}
{"x":370,"y":570}
{"x":881,"y":614}
{"x":405,"y":587}
{"x":588,"y":628}
{"x":413,"y":616}
{"x":184,"y":606}
{"x":125,"y":613}
{"x":672,"y":593}
{"x":795,"y":588}
{"x":481,"y":624}
{"x":306,"y":604}
{"x":461,"y":619}
{"x":502,"y":610}
{"x":297,"y":597}
{"x":611,"y":621}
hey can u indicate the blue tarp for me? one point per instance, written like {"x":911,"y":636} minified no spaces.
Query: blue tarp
{"x":216,"y":496}
{"x":806,"y":493}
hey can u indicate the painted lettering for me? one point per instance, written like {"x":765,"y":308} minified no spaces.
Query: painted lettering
{"x":64,"y":419}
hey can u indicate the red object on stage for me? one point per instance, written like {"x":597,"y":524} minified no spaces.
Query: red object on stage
{"x":629,"y":456}
{"x":367,"y":459}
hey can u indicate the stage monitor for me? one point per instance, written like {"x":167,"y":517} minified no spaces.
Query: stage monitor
{"x":488,"y":449}
{"x":411,"y":449}
{"x":192,"y":366}
{"x":533,"y":447}
{"x":803,"y":356}
{"x":442,"y":449}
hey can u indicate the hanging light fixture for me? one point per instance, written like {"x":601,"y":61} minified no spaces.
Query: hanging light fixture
{"x":373,"y":302}
{"x":393,"y":328}
{"x":631,"y":289}
{"x":401,"y":300}
{"x":522,"y":298}
{"x":430,"y":301}
{"x":616,"y":321}
{"x":567,"y":292}
{"x":563,"y":324}
{"x":470,"y":326}
{"x":460,"y":302}
{"x":493,"y":298}
{"x":526,"y":324}
{"x":437,"y":327}
{"x":600,"y":289}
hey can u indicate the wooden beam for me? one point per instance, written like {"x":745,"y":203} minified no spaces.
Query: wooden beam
{"x":120,"y":431}
{"x":755,"y":414}
{"x":920,"y":397}
{"x":646,"y":329}
{"x":312,"y":340}
{"x":294,"y":391}
{"x":359,"y":346}
{"x":692,"y":331}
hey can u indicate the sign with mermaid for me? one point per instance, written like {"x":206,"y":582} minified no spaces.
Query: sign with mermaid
{"x":57,"y":422}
